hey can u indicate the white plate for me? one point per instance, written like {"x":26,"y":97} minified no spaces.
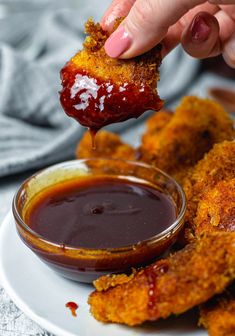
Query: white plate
{"x":42,"y":294}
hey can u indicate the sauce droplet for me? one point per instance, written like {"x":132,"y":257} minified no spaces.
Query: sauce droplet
{"x":73,"y":307}
{"x":93,"y":132}
{"x":152,"y":273}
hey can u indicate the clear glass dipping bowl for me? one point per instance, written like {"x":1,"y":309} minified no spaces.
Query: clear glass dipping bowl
{"x":83,"y":264}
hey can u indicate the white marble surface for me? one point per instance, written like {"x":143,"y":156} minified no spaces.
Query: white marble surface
{"x":12,"y":321}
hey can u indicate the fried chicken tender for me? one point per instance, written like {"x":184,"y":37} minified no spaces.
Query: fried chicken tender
{"x":218,"y":315}
{"x":211,"y":197}
{"x":170,"y":286}
{"x":216,"y":209}
{"x":216,"y":166}
{"x":154,"y":125}
{"x":108,"y":145}
{"x":99,"y":90}
{"x":185,"y":137}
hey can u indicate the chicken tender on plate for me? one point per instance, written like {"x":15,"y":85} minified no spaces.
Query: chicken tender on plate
{"x":108,"y":145}
{"x":154,"y":125}
{"x":216,"y":209}
{"x":216,"y":166}
{"x":211,"y":198}
{"x":185,"y":136}
{"x":99,"y":90}
{"x":170,"y":286}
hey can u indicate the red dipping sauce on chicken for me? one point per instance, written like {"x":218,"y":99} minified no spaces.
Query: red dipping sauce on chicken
{"x":98,"y":90}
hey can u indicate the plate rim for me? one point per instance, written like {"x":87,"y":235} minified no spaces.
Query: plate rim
{"x":41,"y":321}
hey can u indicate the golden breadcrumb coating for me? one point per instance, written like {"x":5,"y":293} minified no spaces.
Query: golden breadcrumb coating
{"x":211,"y":191}
{"x":216,"y":209}
{"x":170,"y":286}
{"x":107,"y":145}
{"x":218,"y":315}
{"x":105,"y":282}
{"x":211,"y":197}
{"x":195,"y":127}
{"x":217,"y":165}
{"x":94,"y":60}
{"x":154,"y":125}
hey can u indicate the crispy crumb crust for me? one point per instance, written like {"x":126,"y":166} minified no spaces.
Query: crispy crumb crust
{"x":154,"y":125}
{"x":218,"y":315}
{"x":216,"y":209}
{"x":181,"y":281}
{"x":108,"y":145}
{"x":195,"y":127}
{"x":217,"y":165}
{"x":94,"y":60}
{"x":105,"y":282}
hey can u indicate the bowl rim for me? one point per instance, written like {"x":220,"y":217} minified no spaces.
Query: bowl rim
{"x":174,"y":227}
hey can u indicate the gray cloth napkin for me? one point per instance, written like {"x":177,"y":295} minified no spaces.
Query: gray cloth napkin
{"x":36,"y":39}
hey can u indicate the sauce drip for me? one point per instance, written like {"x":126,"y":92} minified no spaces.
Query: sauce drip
{"x":93,"y":135}
{"x":94,"y":102}
{"x":73,"y":307}
{"x":100,"y":212}
{"x":152,"y":273}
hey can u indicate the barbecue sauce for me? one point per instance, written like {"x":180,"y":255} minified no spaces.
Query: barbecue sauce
{"x":100,"y":212}
{"x":152,"y":273}
{"x":73,"y":306}
{"x":95,"y":102}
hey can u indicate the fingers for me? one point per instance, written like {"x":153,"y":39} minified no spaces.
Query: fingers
{"x":174,"y":33}
{"x":221,"y":2}
{"x":210,"y":35}
{"x":229,"y":51}
{"x":117,"y":9}
{"x":227,"y":25}
{"x":146,"y":25}
{"x":201,"y":38}
{"x":150,"y":21}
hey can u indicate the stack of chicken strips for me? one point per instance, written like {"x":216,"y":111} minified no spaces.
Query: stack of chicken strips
{"x":194,"y":144}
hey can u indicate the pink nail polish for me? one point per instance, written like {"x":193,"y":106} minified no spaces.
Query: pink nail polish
{"x":200,"y":30}
{"x":117,"y":43}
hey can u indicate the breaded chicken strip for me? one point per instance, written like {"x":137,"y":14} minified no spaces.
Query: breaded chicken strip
{"x":99,"y":90}
{"x":186,"y":136}
{"x":211,"y":196}
{"x":218,"y":315}
{"x":216,"y":212}
{"x":108,"y":145}
{"x":216,"y":209}
{"x":216,"y":166}
{"x":170,"y":286}
{"x":154,"y":125}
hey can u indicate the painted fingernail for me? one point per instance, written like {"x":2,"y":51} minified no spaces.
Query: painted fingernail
{"x":118,"y":42}
{"x":200,"y":30}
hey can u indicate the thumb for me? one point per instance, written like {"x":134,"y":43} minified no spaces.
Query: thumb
{"x":146,"y":25}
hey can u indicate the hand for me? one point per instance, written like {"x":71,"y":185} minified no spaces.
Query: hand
{"x":204,"y":28}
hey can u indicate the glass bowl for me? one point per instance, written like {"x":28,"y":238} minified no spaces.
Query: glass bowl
{"x":87,"y":264}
